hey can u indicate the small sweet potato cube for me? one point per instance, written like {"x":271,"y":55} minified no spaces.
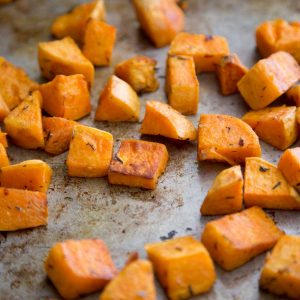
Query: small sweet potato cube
{"x":280,"y":274}
{"x":235,"y":239}
{"x":183,"y":267}
{"x":118,"y":102}
{"x":227,"y":139}
{"x":24,"y":123}
{"x":139,"y":72}
{"x":66,"y":96}
{"x":160,"y":19}
{"x":276,"y":126}
{"x":20,"y":209}
{"x":79,"y":267}
{"x":138,"y":164}
{"x":229,"y":72}
{"x":58,"y":134}
{"x":90,"y":152}
{"x":294,"y":94}
{"x":205,"y":49}
{"x":161,"y":119}
{"x":265,"y":186}
{"x":98,"y":43}
{"x":64,"y":57}
{"x":33,"y":175}
{"x":226,"y":193}
{"x":268,"y":79}
{"x":182,"y":86}
{"x":3,"y":139}
{"x":134,"y":282}
{"x":4,"y":110}
{"x":4,"y":160}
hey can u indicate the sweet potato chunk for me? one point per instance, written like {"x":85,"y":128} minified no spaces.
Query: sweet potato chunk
{"x":226,"y":193}
{"x":20,"y":209}
{"x":226,"y":138}
{"x":15,"y":85}
{"x":64,"y":57}
{"x":138,"y":164}
{"x":160,"y":19}
{"x":183,"y":267}
{"x":24,"y":123}
{"x":268,"y":79}
{"x":4,"y":161}
{"x":265,"y":186}
{"x":79,"y":267}
{"x":134,"y":282}
{"x":276,"y":126}
{"x":294,"y":94}
{"x":3,"y":139}
{"x":161,"y":119}
{"x":235,"y":239}
{"x":139,"y":72}
{"x":33,"y":175}
{"x":205,"y":49}
{"x":280,"y":274}
{"x":66,"y":96}
{"x":229,"y":72}
{"x":58,"y":134}
{"x":182,"y":86}
{"x":4,"y":110}
{"x":90,"y":152}
{"x":118,"y":102}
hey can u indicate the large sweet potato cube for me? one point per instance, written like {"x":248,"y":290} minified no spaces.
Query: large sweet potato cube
{"x":4,"y":160}
{"x":138,"y":164}
{"x":183,"y":267}
{"x":235,"y":239}
{"x":4,"y":109}
{"x":79,"y":267}
{"x":294,"y":94}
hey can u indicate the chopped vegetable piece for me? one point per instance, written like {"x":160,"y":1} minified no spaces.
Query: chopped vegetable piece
{"x":4,"y":110}
{"x":294,"y":94}
{"x":3,"y":139}
{"x":4,"y":160}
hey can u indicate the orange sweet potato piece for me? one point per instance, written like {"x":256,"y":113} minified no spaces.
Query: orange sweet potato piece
{"x":79,"y":267}
{"x":265,"y":186}
{"x":226,"y":138}
{"x":235,"y":239}
{"x":4,"y":160}
{"x":205,"y":49}
{"x":66,"y":96}
{"x":139,"y":72}
{"x":294,"y":94}
{"x":161,"y":119}
{"x":3,"y":139}
{"x":118,"y":102}
{"x":268,"y":79}
{"x":20,"y":209}
{"x":4,"y":110}
{"x":90,"y":152}
{"x":183,"y":267}
{"x":182,"y":86}
{"x":138,"y":164}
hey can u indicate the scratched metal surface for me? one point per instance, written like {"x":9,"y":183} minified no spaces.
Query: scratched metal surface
{"x":127,"y":218}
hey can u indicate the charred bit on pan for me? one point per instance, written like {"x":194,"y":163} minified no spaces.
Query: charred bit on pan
{"x":208,"y":37}
{"x":276,"y":185}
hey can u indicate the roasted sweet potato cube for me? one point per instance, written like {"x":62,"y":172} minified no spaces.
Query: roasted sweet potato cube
{"x":183,"y":267}
{"x":4,"y":160}
{"x":161,"y":119}
{"x":268,"y":79}
{"x":160,"y":19}
{"x":205,"y":49}
{"x":139,"y":72}
{"x":24,"y":123}
{"x":79,"y":267}
{"x":280,"y":274}
{"x":98,"y":43}
{"x":66,"y":96}
{"x":3,"y":139}
{"x":64,"y":57}
{"x":15,"y":85}
{"x":229,"y":72}
{"x":226,"y":193}
{"x":138,"y":164}
{"x":90,"y":152}
{"x":294,"y":94}
{"x":225,"y":138}
{"x":276,"y":126}
{"x":20,"y":209}
{"x":235,"y":239}
{"x":265,"y":186}
{"x":134,"y":282}
{"x":182,"y":86}
{"x":58,"y":134}
{"x":33,"y":175}
{"x":4,"y":110}
{"x":118,"y":102}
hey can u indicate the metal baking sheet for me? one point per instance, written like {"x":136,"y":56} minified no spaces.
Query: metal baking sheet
{"x":127,"y":218}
